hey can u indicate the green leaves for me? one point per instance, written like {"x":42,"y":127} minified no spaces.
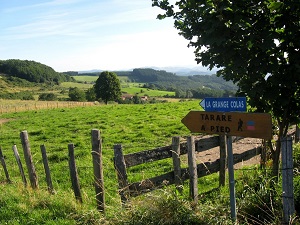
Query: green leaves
{"x":275,"y":5}
{"x":247,"y":39}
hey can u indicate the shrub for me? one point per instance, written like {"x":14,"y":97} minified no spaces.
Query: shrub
{"x":47,"y":97}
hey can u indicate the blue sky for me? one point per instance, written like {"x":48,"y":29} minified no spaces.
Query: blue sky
{"x":90,"y":34}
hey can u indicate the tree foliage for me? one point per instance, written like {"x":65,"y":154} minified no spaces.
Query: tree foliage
{"x":76,"y":94}
{"x":254,"y":43}
{"x":108,"y":87}
{"x":47,"y":97}
{"x":32,"y":71}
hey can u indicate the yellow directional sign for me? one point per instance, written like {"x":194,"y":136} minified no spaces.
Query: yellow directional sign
{"x":255,"y":125}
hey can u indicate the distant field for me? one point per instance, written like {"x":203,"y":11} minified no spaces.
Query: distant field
{"x":94,"y":78}
{"x":74,"y":84}
{"x":85,"y":78}
{"x":145,"y":91}
{"x":127,"y":87}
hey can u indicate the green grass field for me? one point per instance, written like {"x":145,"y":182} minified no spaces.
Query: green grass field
{"x":136,"y":128}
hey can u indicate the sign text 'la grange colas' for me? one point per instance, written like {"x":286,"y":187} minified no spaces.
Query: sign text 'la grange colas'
{"x":255,"y":125}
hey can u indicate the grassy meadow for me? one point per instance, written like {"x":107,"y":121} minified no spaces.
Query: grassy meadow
{"x":136,"y":127}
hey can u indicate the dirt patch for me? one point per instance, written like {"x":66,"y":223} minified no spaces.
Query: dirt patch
{"x":4,"y":121}
{"x":238,"y":146}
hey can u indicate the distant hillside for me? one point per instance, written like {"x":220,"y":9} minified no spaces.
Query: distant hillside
{"x":32,"y":71}
{"x":163,"y":80}
{"x":180,"y":71}
{"x":197,"y":85}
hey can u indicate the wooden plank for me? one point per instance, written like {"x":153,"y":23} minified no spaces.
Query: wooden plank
{"x":150,"y":184}
{"x":246,"y":155}
{"x":256,"y":125}
{"x":203,"y":169}
{"x":166,"y":179}
{"x":165,"y":152}
{"x":142,"y":157}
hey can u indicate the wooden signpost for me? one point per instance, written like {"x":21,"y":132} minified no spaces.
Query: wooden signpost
{"x":255,"y":125}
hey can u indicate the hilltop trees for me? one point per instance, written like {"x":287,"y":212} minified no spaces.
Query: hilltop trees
{"x":32,"y":71}
{"x":108,"y":87}
{"x":254,"y":43}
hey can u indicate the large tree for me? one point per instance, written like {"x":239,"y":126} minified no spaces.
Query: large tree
{"x":254,"y":43}
{"x":108,"y":87}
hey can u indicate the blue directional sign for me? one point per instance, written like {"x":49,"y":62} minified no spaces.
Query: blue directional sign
{"x":232,"y":104}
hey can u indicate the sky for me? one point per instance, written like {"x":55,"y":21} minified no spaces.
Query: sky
{"x":78,"y":35}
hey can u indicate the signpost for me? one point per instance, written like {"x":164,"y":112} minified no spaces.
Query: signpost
{"x":255,"y":125}
{"x":225,"y":116}
{"x":224,"y":104}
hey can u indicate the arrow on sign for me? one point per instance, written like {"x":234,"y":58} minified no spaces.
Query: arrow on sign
{"x":255,"y":125}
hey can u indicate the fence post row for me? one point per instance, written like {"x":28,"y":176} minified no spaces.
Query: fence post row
{"x":98,"y":169}
{"x":73,"y":173}
{"x":28,"y":159}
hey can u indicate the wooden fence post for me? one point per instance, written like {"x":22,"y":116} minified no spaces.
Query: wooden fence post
{"x":98,"y":169}
{"x":120,"y":167}
{"x":28,"y":159}
{"x":4,"y":166}
{"x":47,"y":169}
{"x":74,"y":174}
{"x":17,"y":156}
{"x":176,"y":162}
{"x":192,"y":169}
{"x":223,"y":160}
{"x":287,"y":179}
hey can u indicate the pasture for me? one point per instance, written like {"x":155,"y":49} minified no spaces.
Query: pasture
{"x":136,"y":127}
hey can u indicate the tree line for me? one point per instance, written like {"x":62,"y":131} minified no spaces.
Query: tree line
{"x":32,"y":71}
